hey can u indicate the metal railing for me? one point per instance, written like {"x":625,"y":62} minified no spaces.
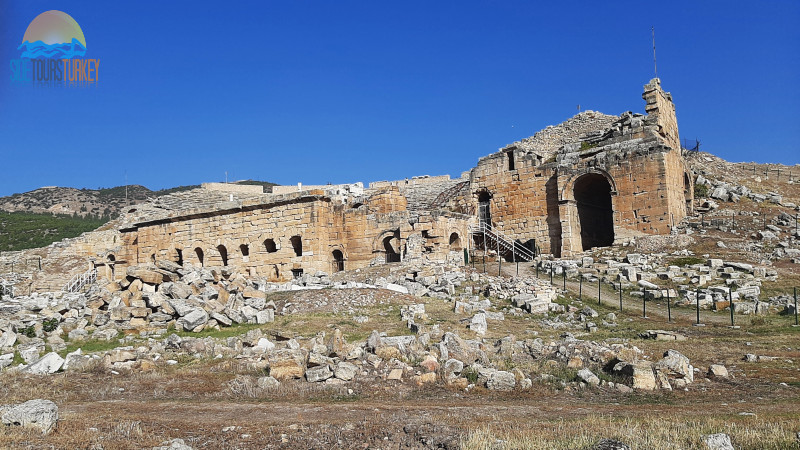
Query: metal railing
{"x":79,"y":281}
{"x":502,"y":242}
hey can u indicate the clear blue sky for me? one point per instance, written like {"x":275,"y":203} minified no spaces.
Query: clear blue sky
{"x":341,"y":91}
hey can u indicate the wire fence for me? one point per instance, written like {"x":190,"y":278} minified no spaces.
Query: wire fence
{"x":699,"y":306}
{"x":777,"y":173}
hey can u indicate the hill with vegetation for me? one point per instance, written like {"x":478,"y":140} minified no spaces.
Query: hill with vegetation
{"x":21,"y":230}
{"x":42,"y":216}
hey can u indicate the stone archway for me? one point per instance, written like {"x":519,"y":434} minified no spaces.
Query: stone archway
{"x":592,"y":194}
{"x":338,"y":260}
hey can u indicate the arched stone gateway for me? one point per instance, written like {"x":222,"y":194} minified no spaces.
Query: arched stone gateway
{"x":338,"y":260}
{"x":592,"y":193}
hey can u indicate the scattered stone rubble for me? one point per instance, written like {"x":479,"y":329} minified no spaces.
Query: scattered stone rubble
{"x":152,"y":299}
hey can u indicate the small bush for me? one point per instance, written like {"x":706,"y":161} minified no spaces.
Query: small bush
{"x":700,"y":191}
{"x":49,"y":325}
{"x":470,"y":374}
{"x":586,"y":145}
{"x":28,"y":331}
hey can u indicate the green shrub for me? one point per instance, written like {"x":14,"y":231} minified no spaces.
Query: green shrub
{"x":49,"y":325}
{"x":470,"y":374}
{"x":700,"y":191}
{"x":28,"y":331}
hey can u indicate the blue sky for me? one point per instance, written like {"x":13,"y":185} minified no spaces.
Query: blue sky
{"x":322,"y":91}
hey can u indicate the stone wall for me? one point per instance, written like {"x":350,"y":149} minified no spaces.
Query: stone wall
{"x":635,"y":158}
{"x":262,"y":238}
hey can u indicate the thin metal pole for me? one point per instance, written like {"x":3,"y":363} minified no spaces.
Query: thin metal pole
{"x":551,"y":274}
{"x":730,"y":301}
{"x":580,"y":286}
{"x":564,"y":272}
{"x":620,"y":296}
{"x":537,"y":270}
{"x":697,"y":298}
{"x":795,"y":307}
{"x":669,"y":308}
{"x":644,"y":305}
{"x":499,"y":259}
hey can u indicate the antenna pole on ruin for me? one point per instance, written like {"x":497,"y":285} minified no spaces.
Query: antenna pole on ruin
{"x":126,"y":187}
{"x":655,"y":66}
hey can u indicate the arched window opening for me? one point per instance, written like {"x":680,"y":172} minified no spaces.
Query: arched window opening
{"x":484,"y":208}
{"x":223,"y":254}
{"x":595,"y":213}
{"x":269,"y":246}
{"x":455,"y":241}
{"x":338,"y":261}
{"x":200,"y":257}
{"x":297,"y":245}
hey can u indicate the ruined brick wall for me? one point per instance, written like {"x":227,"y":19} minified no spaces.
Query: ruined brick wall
{"x":661,"y":108}
{"x":358,"y":231}
{"x":637,"y":158}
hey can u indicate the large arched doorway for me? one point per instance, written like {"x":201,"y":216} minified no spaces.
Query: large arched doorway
{"x":595,"y":213}
{"x":392,"y":253}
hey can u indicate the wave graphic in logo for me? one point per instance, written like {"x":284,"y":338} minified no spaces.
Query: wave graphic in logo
{"x":53,"y":35}
{"x":39,"y":49}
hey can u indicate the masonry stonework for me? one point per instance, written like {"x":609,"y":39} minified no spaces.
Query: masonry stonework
{"x":589,"y":182}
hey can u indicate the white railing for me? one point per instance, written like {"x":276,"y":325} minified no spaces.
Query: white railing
{"x":502,"y":242}
{"x":77,"y":283}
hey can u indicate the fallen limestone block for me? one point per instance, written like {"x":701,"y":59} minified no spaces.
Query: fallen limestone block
{"x":641,"y":374}
{"x":41,"y":414}
{"x":719,"y":441}
{"x":501,"y":381}
{"x":717,"y":371}
{"x":47,"y":364}
{"x":588,"y":377}
{"x":175,"y":444}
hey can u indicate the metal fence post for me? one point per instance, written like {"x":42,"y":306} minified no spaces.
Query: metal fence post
{"x":644,"y":305}
{"x":669,"y":308}
{"x":795,"y":307}
{"x":697,"y":298}
{"x":580,"y":286}
{"x":564,"y":273}
{"x":620,"y":296}
{"x":730,"y":300}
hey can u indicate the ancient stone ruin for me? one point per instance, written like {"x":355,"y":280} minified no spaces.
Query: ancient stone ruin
{"x":588,"y":182}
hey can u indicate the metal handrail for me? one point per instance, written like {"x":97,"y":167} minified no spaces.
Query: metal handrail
{"x":77,"y":282}
{"x":508,"y":244}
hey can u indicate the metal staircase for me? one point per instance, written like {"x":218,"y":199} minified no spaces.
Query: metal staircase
{"x":81,"y":280}
{"x":495,"y":240}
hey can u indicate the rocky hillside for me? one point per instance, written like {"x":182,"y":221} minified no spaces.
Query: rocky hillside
{"x":90,"y":202}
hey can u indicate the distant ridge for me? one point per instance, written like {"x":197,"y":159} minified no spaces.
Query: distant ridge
{"x":104,"y":202}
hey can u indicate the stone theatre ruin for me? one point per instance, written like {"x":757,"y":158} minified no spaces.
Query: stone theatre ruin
{"x":588,"y":182}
